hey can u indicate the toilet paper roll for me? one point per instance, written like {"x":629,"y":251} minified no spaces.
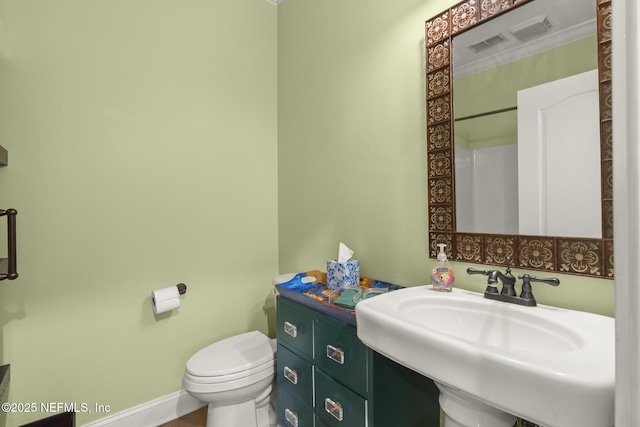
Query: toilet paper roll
{"x":165,"y":299}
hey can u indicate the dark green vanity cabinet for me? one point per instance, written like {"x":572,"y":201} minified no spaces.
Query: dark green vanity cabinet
{"x":327,"y":377}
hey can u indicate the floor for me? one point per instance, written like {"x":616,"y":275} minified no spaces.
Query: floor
{"x":199,"y":419}
{"x":194,"y":419}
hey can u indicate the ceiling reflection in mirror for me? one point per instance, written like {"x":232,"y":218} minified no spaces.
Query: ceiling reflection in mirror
{"x":483,"y":198}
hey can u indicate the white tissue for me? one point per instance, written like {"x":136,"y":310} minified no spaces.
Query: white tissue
{"x":165,"y":299}
{"x":344,"y":253}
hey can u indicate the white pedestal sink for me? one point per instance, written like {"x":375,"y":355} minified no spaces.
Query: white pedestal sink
{"x":494,"y":360}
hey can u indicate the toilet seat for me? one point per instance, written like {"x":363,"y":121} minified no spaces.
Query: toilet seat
{"x":224,"y":384}
{"x":232,"y":363}
{"x":256,"y":372}
{"x":233,"y":358}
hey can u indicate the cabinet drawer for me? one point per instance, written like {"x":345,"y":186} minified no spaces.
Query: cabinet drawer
{"x":319,"y":422}
{"x":295,"y":328}
{"x":342,"y":355}
{"x":336,"y":405}
{"x":295,"y":375}
{"x":292,"y":412}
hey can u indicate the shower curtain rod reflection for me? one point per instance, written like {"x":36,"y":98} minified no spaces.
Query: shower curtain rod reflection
{"x":488,"y":113}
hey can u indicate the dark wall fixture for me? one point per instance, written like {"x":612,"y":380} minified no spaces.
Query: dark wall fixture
{"x":11,"y":270}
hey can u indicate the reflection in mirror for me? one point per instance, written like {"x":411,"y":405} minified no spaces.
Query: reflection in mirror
{"x":490,"y":128}
{"x":500,"y":187}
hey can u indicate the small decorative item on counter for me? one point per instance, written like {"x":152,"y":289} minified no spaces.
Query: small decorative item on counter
{"x":344,"y":271}
{"x":300,"y":282}
{"x":442,"y":276}
{"x":348,"y":297}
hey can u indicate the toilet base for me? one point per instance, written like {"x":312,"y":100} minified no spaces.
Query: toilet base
{"x":240,"y":414}
{"x":259,"y":412}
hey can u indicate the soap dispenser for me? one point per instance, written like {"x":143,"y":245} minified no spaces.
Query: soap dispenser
{"x":442,"y":276}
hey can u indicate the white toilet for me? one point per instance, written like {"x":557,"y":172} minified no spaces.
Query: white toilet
{"x":236,"y":377}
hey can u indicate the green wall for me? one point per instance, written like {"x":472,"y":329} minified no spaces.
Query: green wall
{"x":142,"y":141}
{"x":351,"y":145}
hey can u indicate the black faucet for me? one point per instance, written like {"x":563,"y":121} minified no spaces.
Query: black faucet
{"x":508,"y":293}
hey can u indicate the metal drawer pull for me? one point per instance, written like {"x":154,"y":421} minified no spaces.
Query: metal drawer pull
{"x":291,"y":417}
{"x":336,"y":354}
{"x":291,"y":375}
{"x":333,"y":408}
{"x":291,"y":329}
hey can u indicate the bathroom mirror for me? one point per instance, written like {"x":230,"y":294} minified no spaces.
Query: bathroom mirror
{"x":590,"y":254}
{"x":501,"y":80}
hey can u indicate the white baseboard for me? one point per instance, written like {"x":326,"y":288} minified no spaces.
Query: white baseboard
{"x":153,"y":413}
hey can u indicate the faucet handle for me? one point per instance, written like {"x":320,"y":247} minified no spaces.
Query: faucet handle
{"x":526,"y":293}
{"x":492,"y":282}
{"x":474,"y":271}
{"x":526,"y":278}
{"x":490,"y":273}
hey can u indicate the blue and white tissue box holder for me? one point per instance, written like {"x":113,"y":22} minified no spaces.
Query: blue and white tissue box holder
{"x":343,"y":273}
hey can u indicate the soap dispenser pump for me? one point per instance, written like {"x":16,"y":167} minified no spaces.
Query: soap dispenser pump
{"x":442,"y":276}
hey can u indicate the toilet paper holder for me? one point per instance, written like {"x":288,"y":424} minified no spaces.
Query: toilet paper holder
{"x":167,"y":299}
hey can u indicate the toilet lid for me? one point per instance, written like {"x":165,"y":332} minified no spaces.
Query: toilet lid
{"x":232,"y":355}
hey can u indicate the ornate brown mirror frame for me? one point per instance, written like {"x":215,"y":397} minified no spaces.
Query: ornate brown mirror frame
{"x":587,"y":257}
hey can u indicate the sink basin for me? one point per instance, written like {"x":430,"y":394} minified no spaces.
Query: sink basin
{"x":549,"y":365}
